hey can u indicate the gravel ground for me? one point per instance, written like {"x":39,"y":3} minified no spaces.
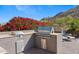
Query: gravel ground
{"x":71,"y":47}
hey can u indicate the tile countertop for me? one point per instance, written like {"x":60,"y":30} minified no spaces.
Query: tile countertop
{"x":55,"y":33}
{"x":29,"y":33}
{"x":6,"y":36}
{"x":9,"y":35}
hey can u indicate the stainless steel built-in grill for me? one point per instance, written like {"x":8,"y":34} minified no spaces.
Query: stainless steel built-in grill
{"x":44,"y":31}
{"x":42,"y":36}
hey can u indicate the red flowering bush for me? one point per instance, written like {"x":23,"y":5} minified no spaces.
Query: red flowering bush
{"x":20,"y":23}
{"x":1,"y":28}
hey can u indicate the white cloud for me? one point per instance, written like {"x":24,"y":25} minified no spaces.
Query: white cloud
{"x":28,"y":9}
{"x":20,"y":7}
{"x":25,"y":7}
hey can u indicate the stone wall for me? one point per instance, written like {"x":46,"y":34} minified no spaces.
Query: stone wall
{"x":52,"y":43}
{"x":8,"y":44}
{"x":13,"y":44}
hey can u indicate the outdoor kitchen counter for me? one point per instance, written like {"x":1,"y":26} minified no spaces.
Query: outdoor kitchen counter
{"x":12,"y":43}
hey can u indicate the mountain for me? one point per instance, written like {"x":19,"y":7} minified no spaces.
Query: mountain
{"x":74,"y":12}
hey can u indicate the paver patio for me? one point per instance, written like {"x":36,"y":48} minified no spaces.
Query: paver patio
{"x":70,"y":47}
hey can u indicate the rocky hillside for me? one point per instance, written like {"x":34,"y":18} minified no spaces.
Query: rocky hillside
{"x":74,"y":12}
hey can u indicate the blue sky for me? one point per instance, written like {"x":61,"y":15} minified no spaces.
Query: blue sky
{"x":31,"y":11}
